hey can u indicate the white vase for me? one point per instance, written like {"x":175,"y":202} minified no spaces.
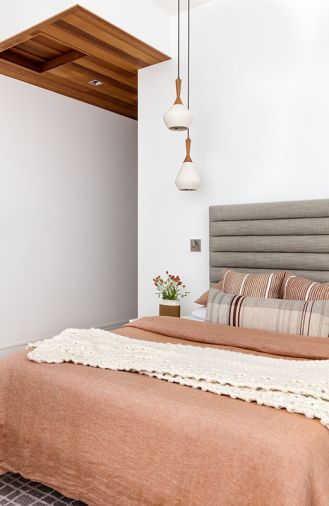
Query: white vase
{"x":169,"y":302}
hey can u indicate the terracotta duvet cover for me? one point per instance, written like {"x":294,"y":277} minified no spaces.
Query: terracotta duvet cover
{"x":114,"y":438}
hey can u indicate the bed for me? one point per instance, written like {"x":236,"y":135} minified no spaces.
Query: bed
{"x":113,"y":438}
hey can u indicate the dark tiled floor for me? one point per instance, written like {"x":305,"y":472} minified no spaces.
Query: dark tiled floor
{"x":16,"y":491}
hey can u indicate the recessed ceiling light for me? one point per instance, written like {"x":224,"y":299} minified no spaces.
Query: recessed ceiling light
{"x":95,"y":82}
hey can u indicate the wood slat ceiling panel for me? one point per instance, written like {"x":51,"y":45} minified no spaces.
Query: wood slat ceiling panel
{"x":82,"y":78}
{"x":101,"y":36}
{"x":83,"y":43}
{"x":48,"y":44}
{"x":35,"y":50}
{"x":110,"y":70}
{"x":68,"y":51}
{"x":120,"y":34}
{"x":69,"y":89}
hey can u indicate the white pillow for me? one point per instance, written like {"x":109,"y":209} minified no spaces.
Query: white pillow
{"x":200,"y":313}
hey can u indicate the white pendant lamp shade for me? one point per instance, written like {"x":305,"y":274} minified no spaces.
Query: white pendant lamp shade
{"x":187,"y":178}
{"x":178,"y":117}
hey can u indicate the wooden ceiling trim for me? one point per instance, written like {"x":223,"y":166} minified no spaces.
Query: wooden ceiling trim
{"x":75,"y":48}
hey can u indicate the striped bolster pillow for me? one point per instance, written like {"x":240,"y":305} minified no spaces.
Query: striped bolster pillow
{"x":304,"y":318}
{"x":295,"y":288}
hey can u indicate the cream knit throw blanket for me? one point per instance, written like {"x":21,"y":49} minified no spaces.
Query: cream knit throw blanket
{"x":299,"y":386}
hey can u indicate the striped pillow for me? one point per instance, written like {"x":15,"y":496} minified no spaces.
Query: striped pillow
{"x":310,"y":318}
{"x":266,"y":285}
{"x":295,"y":288}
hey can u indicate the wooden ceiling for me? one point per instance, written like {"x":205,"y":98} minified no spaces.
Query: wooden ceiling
{"x":67,"y":52}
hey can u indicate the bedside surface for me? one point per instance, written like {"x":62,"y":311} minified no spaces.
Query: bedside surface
{"x":186,"y":317}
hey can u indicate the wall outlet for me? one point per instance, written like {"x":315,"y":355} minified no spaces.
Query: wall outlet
{"x":195,"y":245}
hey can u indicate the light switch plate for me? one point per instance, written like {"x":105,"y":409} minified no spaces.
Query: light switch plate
{"x":195,"y":245}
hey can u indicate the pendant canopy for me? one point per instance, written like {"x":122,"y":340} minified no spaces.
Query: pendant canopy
{"x":188,"y":178}
{"x":178,"y":117}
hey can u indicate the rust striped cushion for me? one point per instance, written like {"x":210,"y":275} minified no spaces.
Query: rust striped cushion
{"x":266,"y":285}
{"x":203,"y":299}
{"x":295,"y":288}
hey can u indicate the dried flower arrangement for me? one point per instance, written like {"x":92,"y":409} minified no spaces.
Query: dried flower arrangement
{"x":170,"y":288}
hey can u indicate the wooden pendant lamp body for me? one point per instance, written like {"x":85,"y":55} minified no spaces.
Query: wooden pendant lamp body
{"x":188,"y":150}
{"x":178,"y":91}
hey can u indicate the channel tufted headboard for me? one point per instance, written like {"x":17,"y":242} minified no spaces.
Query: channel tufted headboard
{"x":272,"y":236}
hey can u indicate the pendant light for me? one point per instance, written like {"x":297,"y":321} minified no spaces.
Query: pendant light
{"x":178,"y":117}
{"x":188,"y":178}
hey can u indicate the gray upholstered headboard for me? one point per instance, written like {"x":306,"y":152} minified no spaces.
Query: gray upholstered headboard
{"x":290,"y":236}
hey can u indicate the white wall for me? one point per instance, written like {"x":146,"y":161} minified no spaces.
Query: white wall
{"x":68,"y":205}
{"x":68,"y":202}
{"x":259,"y":93}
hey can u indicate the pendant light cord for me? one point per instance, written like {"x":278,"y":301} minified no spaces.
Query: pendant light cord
{"x":188,"y":56}
{"x":188,"y":51}
{"x":178,"y":31}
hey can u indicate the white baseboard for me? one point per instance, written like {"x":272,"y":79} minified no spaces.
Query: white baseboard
{"x":6,"y":350}
{"x":115,"y":325}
